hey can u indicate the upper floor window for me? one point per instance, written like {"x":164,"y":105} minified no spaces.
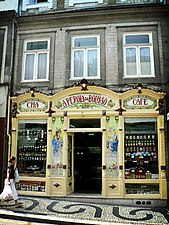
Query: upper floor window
{"x":35,"y":1}
{"x":85,"y":57}
{"x":138,"y":55}
{"x":81,"y":3}
{"x":36,"y":61}
{"x":3,"y":42}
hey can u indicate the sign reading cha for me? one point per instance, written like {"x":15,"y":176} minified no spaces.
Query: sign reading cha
{"x":85,"y":101}
{"x":140,"y":102}
{"x":32,"y":105}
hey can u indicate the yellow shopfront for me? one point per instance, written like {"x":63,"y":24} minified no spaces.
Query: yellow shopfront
{"x":90,"y":141}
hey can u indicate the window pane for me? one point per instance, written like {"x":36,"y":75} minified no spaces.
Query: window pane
{"x":2,"y":34}
{"x":42,"y":66}
{"x":92,"y":63}
{"x":137,"y":39}
{"x":35,"y":1}
{"x":31,"y":148}
{"x":78,"y":42}
{"x":29,"y":67}
{"x":78,"y":63}
{"x":145,"y":61}
{"x":131,"y":61}
{"x":30,"y":1}
{"x":38,"y":1}
{"x":37,"y":45}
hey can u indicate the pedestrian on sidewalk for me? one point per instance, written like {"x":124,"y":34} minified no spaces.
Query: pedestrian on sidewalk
{"x":9,"y":190}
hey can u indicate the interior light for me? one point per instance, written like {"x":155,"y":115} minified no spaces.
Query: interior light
{"x":91,"y":134}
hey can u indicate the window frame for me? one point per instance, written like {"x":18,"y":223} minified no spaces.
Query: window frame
{"x":4,"y":48}
{"x":35,"y":62}
{"x":81,"y":3}
{"x":138,"y":63}
{"x":85,"y":49}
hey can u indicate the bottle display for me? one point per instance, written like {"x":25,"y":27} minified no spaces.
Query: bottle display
{"x":31,"y":149}
{"x":142,"y":188}
{"x":31,"y":186}
{"x":141,"y":156}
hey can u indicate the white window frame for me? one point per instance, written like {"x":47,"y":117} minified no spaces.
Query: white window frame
{"x":137,"y":47}
{"x":42,"y":5}
{"x":83,"y":3}
{"x":36,"y":53}
{"x":85,"y":49}
{"x":2,"y":72}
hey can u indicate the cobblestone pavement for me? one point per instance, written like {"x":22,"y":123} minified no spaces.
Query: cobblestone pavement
{"x":47,"y":211}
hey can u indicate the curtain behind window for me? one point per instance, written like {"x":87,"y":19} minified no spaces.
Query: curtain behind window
{"x":78,"y":63}
{"x":92,"y":63}
{"x":145,"y":62}
{"x":29,"y":67}
{"x":42,"y":65}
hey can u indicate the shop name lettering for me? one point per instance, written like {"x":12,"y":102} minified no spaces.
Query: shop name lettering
{"x":97,"y":99}
{"x":140,"y":101}
{"x":32,"y":105}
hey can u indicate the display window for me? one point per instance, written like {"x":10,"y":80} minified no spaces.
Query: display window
{"x":141,"y":148}
{"x":32,"y":146}
{"x":31,"y":186}
{"x":142,"y":188}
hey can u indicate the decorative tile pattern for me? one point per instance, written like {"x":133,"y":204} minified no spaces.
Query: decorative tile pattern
{"x":40,"y":209}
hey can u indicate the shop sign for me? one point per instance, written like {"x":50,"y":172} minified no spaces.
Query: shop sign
{"x":32,"y":105}
{"x":140,"y":102}
{"x":85,"y":101}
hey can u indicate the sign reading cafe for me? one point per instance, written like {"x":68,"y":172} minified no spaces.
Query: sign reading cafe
{"x":140,"y":102}
{"x":85,"y":101}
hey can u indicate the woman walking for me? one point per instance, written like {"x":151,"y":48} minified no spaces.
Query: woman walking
{"x":10,"y":182}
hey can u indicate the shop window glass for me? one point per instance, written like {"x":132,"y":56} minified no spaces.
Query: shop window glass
{"x":84,"y":123}
{"x":141,"y":148}
{"x":142,"y":188}
{"x":85,"y":57}
{"x":138,"y":55}
{"x":35,"y":1}
{"x":36,"y":61}
{"x":31,"y":148}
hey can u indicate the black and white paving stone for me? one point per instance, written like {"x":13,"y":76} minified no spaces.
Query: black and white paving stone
{"x":45,"y":210}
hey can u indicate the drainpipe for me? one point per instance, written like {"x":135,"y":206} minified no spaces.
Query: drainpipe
{"x":8,"y":125}
{"x":10,"y":89}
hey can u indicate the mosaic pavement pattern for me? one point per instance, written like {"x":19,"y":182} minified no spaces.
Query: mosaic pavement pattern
{"x":45,"y":210}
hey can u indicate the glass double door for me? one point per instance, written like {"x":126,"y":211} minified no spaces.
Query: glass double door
{"x":85,"y":159}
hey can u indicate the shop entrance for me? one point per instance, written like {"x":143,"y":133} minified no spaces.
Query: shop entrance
{"x":88,"y":162}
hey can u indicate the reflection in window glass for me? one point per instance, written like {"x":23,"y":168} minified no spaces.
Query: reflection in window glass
{"x":78,"y":42}
{"x":137,"y":39}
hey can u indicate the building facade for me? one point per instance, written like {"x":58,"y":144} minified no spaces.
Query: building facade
{"x":8,"y":11}
{"x":90,"y":102}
